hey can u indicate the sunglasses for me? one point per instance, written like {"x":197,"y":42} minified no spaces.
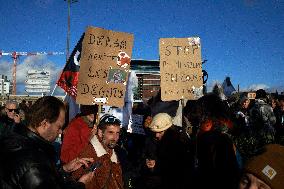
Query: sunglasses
{"x":10,"y":110}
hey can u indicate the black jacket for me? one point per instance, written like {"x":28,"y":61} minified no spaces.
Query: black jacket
{"x":6,"y":125}
{"x":173,"y":161}
{"x":27,"y":162}
{"x":218,"y":166}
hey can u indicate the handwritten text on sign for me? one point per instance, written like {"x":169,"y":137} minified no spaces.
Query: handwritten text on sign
{"x":100,"y":55}
{"x":181,"y":67}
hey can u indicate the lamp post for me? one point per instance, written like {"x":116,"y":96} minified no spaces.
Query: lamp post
{"x":68,"y":27}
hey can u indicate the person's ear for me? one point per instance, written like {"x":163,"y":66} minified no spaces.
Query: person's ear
{"x":42,"y":127}
{"x":100,"y":133}
{"x":44,"y":124}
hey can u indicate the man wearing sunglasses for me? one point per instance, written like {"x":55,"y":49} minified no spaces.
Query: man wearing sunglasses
{"x":10,"y":119}
{"x":101,"y":149}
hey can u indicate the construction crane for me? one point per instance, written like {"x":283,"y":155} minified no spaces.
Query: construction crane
{"x":15,"y":55}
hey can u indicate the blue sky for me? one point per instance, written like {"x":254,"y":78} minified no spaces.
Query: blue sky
{"x":243,"y":39}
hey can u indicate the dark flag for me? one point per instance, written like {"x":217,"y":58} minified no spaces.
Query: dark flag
{"x":69,"y":77}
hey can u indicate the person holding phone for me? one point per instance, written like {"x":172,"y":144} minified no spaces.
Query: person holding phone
{"x":27,"y":158}
{"x":167,"y":159}
{"x":107,"y":168}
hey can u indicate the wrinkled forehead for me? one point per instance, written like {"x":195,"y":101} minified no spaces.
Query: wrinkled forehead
{"x":113,"y":127}
{"x":11,"y":106}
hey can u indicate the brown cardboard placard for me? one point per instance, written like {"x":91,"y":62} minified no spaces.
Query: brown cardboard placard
{"x":251,"y":95}
{"x":104,"y":52}
{"x":180,"y":68}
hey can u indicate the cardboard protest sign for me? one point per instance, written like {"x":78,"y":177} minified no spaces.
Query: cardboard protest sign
{"x":136,"y":124}
{"x":117,"y":112}
{"x":104,"y":67}
{"x":251,"y":95}
{"x":180,"y":68}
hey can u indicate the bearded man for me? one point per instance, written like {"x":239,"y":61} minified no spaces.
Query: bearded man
{"x":107,"y":169}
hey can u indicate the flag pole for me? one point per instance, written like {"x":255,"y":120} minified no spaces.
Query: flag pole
{"x":68,"y":31}
{"x":53,"y":89}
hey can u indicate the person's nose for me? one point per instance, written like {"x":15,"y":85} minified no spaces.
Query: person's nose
{"x":157,"y":135}
{"x":116,"y":137}
{"x":60,"y":132}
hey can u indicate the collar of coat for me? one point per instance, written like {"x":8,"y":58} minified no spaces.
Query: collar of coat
{"x":100,"y":150}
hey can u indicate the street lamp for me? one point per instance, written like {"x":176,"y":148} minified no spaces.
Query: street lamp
{"x":68,"y":27}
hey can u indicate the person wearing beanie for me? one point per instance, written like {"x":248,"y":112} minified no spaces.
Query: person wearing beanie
{"x":265,"y":170}
{"x":78,"y":132}
{"x":166,"y":156}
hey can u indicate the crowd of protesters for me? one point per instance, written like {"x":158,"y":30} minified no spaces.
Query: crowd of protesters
{"x":229,"y":143}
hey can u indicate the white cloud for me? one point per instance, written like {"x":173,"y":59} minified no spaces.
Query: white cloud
{"x":31,"y":62}
{"x":255,"y":87}
{"x":6,"y":68}
{"x":252,"y":87}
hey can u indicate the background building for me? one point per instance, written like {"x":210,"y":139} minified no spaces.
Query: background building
{"x":5,"y":85}
{"x":148,"y":74}
{"x":38,"y":81}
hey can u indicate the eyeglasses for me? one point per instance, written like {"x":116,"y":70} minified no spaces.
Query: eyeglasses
{"x":10,"y":110}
